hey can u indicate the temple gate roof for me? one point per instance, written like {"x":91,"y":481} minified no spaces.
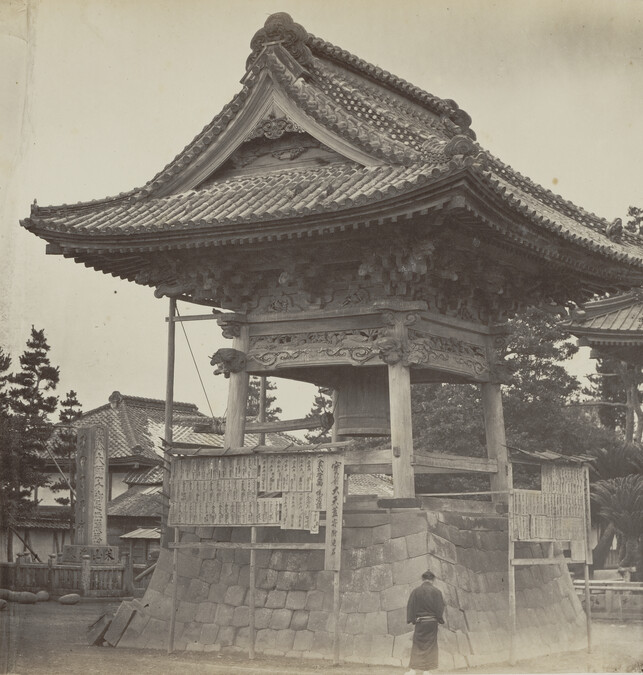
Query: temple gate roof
{"x":316,"y":142}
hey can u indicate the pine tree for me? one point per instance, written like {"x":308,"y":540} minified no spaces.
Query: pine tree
{"x":64,"y":447}
{"x":254,"y":394}
{"x":25,"y":427}
{"x":322,"y":403}
{"x":538,"y":415}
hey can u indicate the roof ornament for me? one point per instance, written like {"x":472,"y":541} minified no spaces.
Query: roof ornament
{"x":615,"y":229}
{"x":460,"y":145}
{"x":115,"y":399}
{"x":273,"y":127}
{"x":280,"y":29}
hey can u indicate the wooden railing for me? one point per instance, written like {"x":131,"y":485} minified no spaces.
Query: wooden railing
{"x":99,"y":581}
{"x":620,"y":600}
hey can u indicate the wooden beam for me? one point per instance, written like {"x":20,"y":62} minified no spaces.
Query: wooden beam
{"x":257,"y":546}
{"x":277,"y":426}
{"x":209,"y":451}
{"x":438,"y":462}
{"x":538,"y":561}
{"x":193,"y":317}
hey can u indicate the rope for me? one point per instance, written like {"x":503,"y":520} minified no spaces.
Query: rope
{"x":205,"y":393}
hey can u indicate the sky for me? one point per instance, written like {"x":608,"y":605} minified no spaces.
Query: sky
{"x":96,"y":96}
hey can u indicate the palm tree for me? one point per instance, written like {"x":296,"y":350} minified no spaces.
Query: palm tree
{"x":620,"y":502}
{"x":607,"y":464}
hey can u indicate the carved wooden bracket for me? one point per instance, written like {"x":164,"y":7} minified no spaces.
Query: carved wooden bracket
{"x":228,"y":361}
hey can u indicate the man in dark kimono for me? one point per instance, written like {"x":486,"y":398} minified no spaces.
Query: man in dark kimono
{"x":424,"y":610}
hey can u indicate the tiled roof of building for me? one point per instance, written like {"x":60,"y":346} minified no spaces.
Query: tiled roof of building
{"x":370,"y":484}
{"x":136,"y":425}
{"x":395,"y":147}
{"x":617,"y":318}
{"x":152,"y":476}
{"x":45,"y":517}
{"x":137,"y":501}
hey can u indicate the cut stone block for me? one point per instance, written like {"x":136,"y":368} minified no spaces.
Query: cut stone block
{"x":240,"y":617}
{"x":375,"y":623}
{"x":395,"y":549}
{"x":280,"y":619}
{"x":119,"y":623}
{"x":276,"y":599}
{"x":394,"y":597}
{"x":369,"y":601}
{"x":235,"y":595}
{"x":396,"y":622}
{"x":296,"y":600}
{"x":299,"y":619}
{"x":416,"y":544}
{"x":303,"y":640}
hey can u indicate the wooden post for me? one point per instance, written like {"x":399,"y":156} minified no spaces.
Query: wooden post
{"x":336,"y":602}
{"x":399,"y":387}
{"x":50,"y":573}
{"x":262,"y":407}
{"x":588,"y":558}
{"x":85,"y":574}
{"x":588,"y":608}
{"x":251,"y":593}
{"x":169,"y":405}
{"x":237,"y":397}
{"x":128,"y":572}
{"x":175,"y":592}
{"x":494,"y":424}
{"x":399,"y":391}
{"x":511,"y":578}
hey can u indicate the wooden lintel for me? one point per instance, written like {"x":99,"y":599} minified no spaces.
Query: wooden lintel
{"x":437,"y":462}
{"x":369,"y":468}
{"x":258,"y":546}
{"x":209,"y":451}
{"x":356,"y":457}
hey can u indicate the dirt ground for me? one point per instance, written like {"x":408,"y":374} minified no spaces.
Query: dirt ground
{"x":50,"y":638}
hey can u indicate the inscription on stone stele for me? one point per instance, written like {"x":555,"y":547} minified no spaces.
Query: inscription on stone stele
{"x":289,"y":491}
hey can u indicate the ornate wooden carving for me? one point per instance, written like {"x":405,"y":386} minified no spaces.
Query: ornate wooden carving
{"x":228,"y":361}
{"x":357,"y":346}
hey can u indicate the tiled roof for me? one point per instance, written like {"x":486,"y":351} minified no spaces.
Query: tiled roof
{"x":615,"y":319}
{"x":401,"y":145}
{"x":136,"y":425}
{"x":370,"y":484}
{"x":45,"y":517}
{"x":136,"y":502}
{"x":143,"y":533}
{"x":152,"y":476}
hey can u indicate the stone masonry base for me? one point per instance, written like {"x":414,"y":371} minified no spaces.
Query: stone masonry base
{"x":384,"y":555}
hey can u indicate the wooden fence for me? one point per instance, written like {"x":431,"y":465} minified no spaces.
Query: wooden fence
{"x":98,"y":581}
{"x":614,"y":600}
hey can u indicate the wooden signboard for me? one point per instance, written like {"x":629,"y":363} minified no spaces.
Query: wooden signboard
{"x":558,"y":512}
{"x":286,"y":490}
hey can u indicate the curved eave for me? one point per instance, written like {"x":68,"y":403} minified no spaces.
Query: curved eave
{"x":463,"y":192}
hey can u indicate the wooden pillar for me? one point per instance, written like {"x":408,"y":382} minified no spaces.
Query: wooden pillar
{"x":169,"y":406}
{"x":237,"y":397}
{"x":399,"y":388}
{"x":511,"y":572}
{"x":252,"y":596}
{"x":175,"y":592}
{"x":494,"y":424}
